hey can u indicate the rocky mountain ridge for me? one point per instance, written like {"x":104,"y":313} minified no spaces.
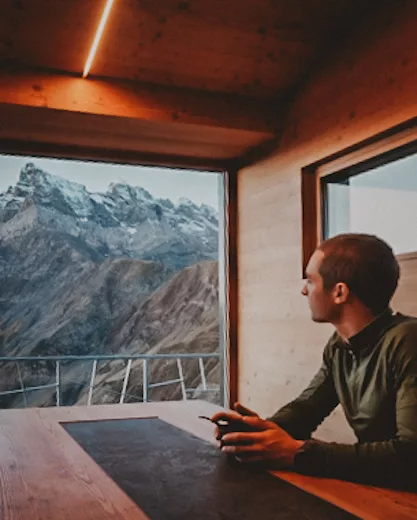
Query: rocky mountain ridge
{"x":88,"y":273}
{"x":125,"y":221}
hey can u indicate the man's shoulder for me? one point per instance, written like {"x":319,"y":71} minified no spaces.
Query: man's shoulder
{"x":402,"y":326}
{"x":402,"y":335}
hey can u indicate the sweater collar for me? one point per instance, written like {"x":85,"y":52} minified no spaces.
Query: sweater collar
{"x":370,"y":335}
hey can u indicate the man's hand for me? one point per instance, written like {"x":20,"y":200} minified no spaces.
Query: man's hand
{"x":234,"y":417}
{"x":271,"y":444}
{"x":239,"y":412}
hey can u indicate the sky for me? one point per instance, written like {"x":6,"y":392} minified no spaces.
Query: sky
{"x":200,"y":187}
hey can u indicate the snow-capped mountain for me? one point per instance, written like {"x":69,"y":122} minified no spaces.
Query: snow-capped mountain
{"x":91,"y":273}
{"x":124,"y":221}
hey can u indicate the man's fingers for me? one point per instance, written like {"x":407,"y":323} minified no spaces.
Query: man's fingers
{"x":244,"y":411}
{"x":241,"y":437}
{"x":244,"y":448}
{"x":258,"y":424}
{"x":226,"y":416}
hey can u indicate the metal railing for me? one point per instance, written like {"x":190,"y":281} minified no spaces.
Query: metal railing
{"x":146,"y":384}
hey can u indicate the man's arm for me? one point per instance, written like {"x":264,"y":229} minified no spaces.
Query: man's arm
{"x":391,"y":462}
{"x":301,"y":417}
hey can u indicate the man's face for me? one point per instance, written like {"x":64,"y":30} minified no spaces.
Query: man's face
{"x":321,"y":302}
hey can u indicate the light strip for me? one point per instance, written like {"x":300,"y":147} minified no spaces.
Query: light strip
{"x":97,"y":37}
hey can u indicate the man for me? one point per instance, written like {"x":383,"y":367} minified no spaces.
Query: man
{"x":369,"y":367}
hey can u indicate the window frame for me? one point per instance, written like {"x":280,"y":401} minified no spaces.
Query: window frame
{"x":228,"y":296}
{"x":388,"y":146}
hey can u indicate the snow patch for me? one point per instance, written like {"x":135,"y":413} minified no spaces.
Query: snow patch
{"x":191,"y":227}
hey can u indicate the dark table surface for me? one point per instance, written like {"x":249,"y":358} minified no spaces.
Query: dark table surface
{"x":171,"y":474}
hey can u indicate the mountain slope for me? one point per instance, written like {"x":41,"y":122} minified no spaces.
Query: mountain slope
{"x":182,"y":316}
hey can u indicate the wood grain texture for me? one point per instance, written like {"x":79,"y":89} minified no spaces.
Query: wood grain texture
{"x":255,"y":47}
{"x":167,"y":142}
{"x":141,"y":101}
{"x":45,"y":475}
{"x":367,"y":502}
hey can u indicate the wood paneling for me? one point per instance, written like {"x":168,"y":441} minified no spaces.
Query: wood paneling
{"x":190,"y":70}
{"x":137,"y":101}
{"x":366,"y":89}
{"x":255,"y":47}
{"x":46,"y":475}
{"x":55,"y":34}
{"x":145,"y":119}
{"x":150,"y":140}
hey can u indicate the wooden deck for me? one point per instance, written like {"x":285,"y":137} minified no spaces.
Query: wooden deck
{"x":44,"y":474}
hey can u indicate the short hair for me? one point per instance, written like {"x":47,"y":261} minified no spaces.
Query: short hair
{"x":365,"y":263}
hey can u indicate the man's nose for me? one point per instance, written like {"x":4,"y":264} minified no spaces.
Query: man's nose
{"x":304,"y":290}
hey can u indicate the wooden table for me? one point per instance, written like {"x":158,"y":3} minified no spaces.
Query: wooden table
{"x":45,"y":475}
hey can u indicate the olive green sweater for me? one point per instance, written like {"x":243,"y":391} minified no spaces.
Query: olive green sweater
{"x":374,"y":378}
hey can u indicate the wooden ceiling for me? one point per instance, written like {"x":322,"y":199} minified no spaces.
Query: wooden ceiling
{"x":254,"y":47}
{"x":246,"y":56}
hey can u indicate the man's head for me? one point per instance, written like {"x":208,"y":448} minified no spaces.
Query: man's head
{"x":350,"y":268}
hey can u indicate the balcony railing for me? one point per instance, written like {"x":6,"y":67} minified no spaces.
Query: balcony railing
{"x":129,"y":359}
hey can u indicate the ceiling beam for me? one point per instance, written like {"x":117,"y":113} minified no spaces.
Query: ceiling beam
{"x":135,"y":100}
{"x":68,"y":110}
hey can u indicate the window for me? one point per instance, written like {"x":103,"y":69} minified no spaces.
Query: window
{"x":369,"y":188}
{"x":112,"y":283}
{"x":380,"y":201}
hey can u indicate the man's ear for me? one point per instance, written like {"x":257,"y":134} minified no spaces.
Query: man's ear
{"x":341,"y":293}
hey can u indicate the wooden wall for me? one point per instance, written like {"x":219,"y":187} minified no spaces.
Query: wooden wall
{"x":362,"y":90}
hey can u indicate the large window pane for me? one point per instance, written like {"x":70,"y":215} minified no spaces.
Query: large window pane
{"x":381,"y":201}
{"x":101,"y":259}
